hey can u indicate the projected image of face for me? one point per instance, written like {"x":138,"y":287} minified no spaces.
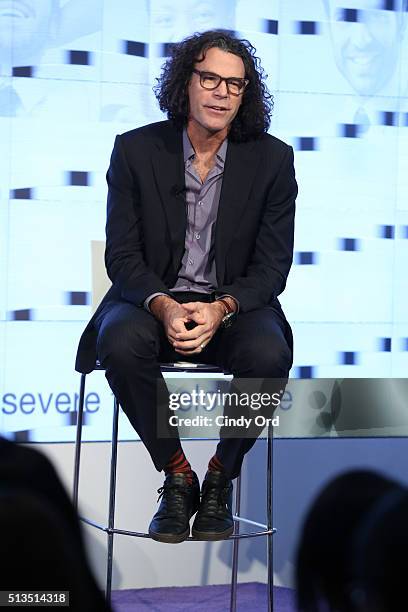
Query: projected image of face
{"x":173,"y":20}
{"x":366,"y":42}
{"x":25,"y":28}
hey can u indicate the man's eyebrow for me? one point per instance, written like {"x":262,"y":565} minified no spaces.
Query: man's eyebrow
{"x":216,"y":74}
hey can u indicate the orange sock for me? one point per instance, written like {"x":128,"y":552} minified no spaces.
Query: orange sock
{"x":178,"y":464}
{"x":215,"y":465}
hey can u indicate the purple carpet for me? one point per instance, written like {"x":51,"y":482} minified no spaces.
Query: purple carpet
{"x":251,"y":597}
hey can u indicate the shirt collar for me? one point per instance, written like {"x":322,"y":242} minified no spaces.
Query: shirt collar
{"x":189,"y":153}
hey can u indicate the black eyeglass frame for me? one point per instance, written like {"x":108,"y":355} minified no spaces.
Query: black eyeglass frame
{"x":220,"y":79}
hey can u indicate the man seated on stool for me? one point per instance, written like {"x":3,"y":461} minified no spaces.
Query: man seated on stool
{"x":199,"y":244}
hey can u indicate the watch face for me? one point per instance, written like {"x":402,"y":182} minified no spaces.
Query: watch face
{"x":227,"y":320}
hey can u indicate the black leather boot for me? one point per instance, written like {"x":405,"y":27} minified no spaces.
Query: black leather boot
{"x":214,"y":517}
{"x":179,"y":501}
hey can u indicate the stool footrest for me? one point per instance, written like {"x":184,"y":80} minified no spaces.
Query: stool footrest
{"x":242,"y":519}
{"x":139,"y":534}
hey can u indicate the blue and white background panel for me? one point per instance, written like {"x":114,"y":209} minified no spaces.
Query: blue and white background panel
{"x":74,"y":74}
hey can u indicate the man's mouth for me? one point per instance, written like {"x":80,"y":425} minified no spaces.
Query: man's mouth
{"x":218,"y":109}
{"x":17,"y":9}
{"x":363,"y":59}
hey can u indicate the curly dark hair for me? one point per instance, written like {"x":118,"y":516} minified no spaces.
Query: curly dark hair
{"x":254,"y":114}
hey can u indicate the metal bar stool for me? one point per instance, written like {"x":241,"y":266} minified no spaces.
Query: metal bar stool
{"x":263,"y":530}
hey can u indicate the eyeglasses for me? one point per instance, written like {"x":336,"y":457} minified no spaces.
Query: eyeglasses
{"x":209,"y":80}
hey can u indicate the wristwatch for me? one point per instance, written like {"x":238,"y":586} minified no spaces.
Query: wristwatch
{"x":228,"y":317}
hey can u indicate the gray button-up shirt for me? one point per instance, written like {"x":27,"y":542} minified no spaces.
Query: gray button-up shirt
{"x":197,"y":271}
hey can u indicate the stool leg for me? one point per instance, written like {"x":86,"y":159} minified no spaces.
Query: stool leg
{"x":269,"y":513}
{"x":112,"y":498}
{"x":235,"y":548}
{"x":78,"y":440}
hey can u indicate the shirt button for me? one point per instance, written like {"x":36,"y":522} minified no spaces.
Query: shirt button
{"x":190,"y":261}
{"x":200,"y":203}
{"x":197,"y":235}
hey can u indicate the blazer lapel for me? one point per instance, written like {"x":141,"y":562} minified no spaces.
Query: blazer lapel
{"x":168,"y":168}
{"x":239,"y":173}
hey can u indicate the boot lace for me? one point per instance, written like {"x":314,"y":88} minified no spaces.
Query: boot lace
{"x":174,"y":496}
{"x":214,"y":499}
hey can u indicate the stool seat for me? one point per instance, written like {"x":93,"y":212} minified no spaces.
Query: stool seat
{"x":186,"y":366}
{"x":266,"y":530}
{"x":181,"y":366}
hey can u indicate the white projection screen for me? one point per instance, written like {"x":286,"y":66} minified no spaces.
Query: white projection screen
{"x":74,"y":74}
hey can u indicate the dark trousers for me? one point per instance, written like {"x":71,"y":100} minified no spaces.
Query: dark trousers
{"x":132,"y":344}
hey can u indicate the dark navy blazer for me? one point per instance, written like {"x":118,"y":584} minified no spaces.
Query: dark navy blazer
{"x":146,"y":222}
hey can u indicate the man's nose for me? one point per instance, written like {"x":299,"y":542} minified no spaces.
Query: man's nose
{"x":222,"y":90}
{"x":362,"y":36}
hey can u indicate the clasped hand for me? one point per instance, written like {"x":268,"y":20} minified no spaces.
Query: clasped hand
{"x":207,"y":318}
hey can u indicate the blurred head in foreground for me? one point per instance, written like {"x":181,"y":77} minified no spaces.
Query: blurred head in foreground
{"x":325,"y":573}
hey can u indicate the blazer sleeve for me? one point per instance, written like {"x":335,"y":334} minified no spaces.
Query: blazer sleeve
{"x":124,"y":254}
{"x":272,"y":256}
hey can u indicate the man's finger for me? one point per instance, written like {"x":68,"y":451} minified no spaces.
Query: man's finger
{"x":196,"y":343}
{"x":193,"y":333}
{"x":178,"y":325}
{"x":197,"y":317}
{"x":196,"y":351}
{"x":189,"y":345}
{"x":191,"y":307}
